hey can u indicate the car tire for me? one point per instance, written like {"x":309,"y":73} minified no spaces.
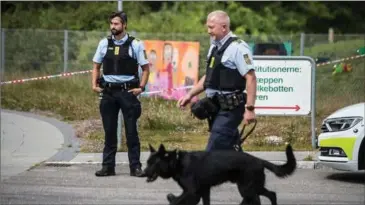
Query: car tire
{"x":361,"y":157}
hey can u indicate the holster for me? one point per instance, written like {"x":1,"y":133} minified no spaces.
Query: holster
{"x":101,"y":82}
{"x":204,"y":108}
{"x":207,"y":108}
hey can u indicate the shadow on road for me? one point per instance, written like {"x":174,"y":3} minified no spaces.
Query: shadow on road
{"x":352,"y":177}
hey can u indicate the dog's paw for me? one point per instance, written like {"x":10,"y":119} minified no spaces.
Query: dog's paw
{"x":170,"y":197}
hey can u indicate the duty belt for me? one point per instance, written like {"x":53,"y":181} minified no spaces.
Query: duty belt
{"x":121,"y":86}
{"x":230,"y":101}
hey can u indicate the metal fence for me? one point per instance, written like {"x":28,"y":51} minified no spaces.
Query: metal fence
{"x":30,"y":53}
{"x":33,"y":53}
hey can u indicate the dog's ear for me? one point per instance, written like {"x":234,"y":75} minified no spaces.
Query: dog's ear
{"x":151,"y":148}
{"x":161,"y":149}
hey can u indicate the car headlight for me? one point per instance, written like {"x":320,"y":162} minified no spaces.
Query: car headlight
{"x":339,"y":124}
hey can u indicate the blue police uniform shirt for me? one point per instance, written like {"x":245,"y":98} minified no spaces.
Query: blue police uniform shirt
{"x":136,"y":51}
{"x":233,"y":58}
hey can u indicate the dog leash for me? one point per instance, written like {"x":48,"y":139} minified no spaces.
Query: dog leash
{"x":237,"y":146}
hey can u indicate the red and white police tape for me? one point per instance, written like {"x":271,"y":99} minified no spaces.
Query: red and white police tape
{"x":89,"y":71}
{"x":340,"y":60}
{"x":174,"y":92}
{"x":160,"y":90}
{"x":83,"y":72}
{"x":46,"y":77}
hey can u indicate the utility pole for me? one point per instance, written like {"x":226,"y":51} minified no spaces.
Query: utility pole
{"x":120,"y":115}
{"x":120,"y":5}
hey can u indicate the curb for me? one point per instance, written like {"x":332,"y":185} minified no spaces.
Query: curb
{"x":300,"y":164}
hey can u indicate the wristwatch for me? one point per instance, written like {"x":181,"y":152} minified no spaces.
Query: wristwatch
{"x":250,"y":107}
{"x":143,"y":88}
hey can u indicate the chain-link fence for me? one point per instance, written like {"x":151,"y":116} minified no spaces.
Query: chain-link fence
{"x":327,"y":48}
{"x":29,"y":53}
{"x":33,"y":53}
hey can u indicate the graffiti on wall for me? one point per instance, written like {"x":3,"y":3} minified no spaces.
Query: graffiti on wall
{"x":173,"y":64}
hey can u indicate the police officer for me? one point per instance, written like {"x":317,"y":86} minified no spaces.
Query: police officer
{"x":121,"y":56}
{"x":229,"y":73}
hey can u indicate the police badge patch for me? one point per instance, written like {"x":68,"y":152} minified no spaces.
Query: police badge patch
{"x":116,"y":50}
{"x":247,"y":59}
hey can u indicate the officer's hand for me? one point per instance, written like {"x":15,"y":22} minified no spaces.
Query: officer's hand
{"x":249,"y":117}
{"x":184,"y":100}
{"x":135,"y":91}
{"x":97,"y":89}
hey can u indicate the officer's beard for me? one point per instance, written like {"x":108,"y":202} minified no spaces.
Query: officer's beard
{"x":116,"y":32}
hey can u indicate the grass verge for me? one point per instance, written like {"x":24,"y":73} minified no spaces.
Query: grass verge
{"x":162,"y":122}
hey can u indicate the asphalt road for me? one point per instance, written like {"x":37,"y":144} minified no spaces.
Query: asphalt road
{"x":28,"y":139}
{"x":77,"y":184}
{"x":22,"y":147}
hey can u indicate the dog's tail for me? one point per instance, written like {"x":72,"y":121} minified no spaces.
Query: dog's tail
{"x":286,"y":169}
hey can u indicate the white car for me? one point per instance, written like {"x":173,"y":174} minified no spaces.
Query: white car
{"x":342,"y":139}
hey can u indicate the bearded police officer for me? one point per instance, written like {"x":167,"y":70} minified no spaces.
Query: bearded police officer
{"x":229,"y":72}
{"x":121,"y":56}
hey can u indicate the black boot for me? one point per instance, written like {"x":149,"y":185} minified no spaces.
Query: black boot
{"x":105,"y":171}
{"x":136,"y":172}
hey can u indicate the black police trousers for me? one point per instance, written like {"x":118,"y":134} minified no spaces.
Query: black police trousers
{"x":111,"y":102}
{"x":224,"y":134}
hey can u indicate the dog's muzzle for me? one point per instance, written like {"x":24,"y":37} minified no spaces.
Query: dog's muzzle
{"x":152,"y":178}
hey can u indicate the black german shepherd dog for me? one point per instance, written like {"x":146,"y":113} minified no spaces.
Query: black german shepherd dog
{"x":196,"y":172}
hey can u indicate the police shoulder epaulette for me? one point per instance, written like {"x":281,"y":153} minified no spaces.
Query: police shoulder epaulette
{"x":109,"y":40}
{"x":134,"y":38}
{"x":238,"y":40}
